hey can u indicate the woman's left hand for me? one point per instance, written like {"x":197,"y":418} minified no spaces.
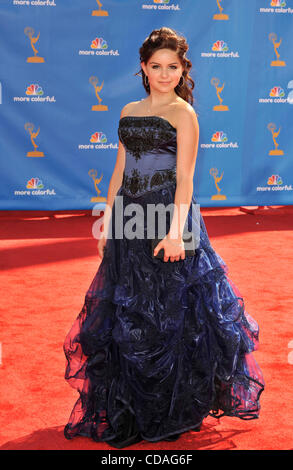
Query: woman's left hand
{"x":173,"y":248}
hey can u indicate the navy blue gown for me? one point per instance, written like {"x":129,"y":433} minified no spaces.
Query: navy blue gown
{"x":158,"y":346}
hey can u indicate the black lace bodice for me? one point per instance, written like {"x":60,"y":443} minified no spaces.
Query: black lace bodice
{"x":151,"y":144}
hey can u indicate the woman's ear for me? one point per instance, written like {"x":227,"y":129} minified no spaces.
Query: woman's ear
{"x":143,"y":66}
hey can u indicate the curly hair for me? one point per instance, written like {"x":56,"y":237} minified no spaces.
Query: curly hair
{"x":168,"y":38}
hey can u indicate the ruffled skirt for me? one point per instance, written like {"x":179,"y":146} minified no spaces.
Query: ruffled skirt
{"x":159,"y":346}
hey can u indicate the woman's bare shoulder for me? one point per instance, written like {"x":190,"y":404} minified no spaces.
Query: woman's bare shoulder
{"x":128,"y":108}
{"x":185,"y":115}
{"x":182,"y":107}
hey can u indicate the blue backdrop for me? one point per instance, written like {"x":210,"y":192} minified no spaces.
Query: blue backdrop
{"x":67,"y":69}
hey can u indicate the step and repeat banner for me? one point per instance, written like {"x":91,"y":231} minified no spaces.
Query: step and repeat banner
{"x":68,"y":67}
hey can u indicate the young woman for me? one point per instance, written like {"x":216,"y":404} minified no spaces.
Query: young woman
{"x":159,"y":343}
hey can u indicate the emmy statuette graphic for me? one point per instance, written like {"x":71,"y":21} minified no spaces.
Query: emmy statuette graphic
{"x":99,"y":12}
{"x":98,"y":107}
{"x":28,"y":31}
{"x":219,"y":107}
{"x":218,"y":197}
{"x":33,"y":135}
{"x":278,"y":62}
{"x":220,"y":16}
{"x":93,"y":173}
{"x":272,"y":127}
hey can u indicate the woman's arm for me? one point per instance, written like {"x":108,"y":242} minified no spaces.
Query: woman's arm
{"x":116,"y":178}
{"x":187,"y":147}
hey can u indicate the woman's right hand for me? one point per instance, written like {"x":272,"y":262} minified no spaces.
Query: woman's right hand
{"x":101,"y":244}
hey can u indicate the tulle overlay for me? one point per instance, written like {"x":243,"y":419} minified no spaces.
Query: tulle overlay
{"x":159,"y":346}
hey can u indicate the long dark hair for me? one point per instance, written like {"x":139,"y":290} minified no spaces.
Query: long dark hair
{"x":168,"y":38}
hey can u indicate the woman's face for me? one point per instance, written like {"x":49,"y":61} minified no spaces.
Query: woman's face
{"x":163,"y":70}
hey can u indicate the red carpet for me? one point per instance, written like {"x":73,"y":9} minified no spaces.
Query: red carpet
{"x":47,"y":264}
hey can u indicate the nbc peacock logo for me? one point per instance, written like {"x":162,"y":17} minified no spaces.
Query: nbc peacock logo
{"x":34,"y":183}
{"x":99,"y":46}
{"x":219,"y":140}
{"x":98,"y":138}
{"x":278,"y":3}
{"x":275,"y":183}
{"x":276,"y":95}
{"x":219,"y":136}
{"x":34,"y":93}
{"x":220,"y":49}
{"x":34,"y":187}
{"x":99,"y":43}
{"x":275,"y":180}
{"x":276,"y":7}
{"x":34,"y":89}
{"x":277,"y":92}
{"x":98,"y":141}
{"x":220,"y":46}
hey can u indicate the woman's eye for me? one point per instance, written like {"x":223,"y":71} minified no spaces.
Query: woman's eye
{"x":172,"y":66}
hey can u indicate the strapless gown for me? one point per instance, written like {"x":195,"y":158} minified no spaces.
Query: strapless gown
{"x":158,"y":346}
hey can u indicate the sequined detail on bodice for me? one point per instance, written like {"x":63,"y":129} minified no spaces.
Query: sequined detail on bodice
{"x":151,"y":145}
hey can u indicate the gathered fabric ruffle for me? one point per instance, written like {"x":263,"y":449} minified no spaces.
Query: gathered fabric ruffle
{"x":159,"y":346}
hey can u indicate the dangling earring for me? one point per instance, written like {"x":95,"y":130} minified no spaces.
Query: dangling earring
{"x":146,"y":83}
{"x":180,"y":84}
